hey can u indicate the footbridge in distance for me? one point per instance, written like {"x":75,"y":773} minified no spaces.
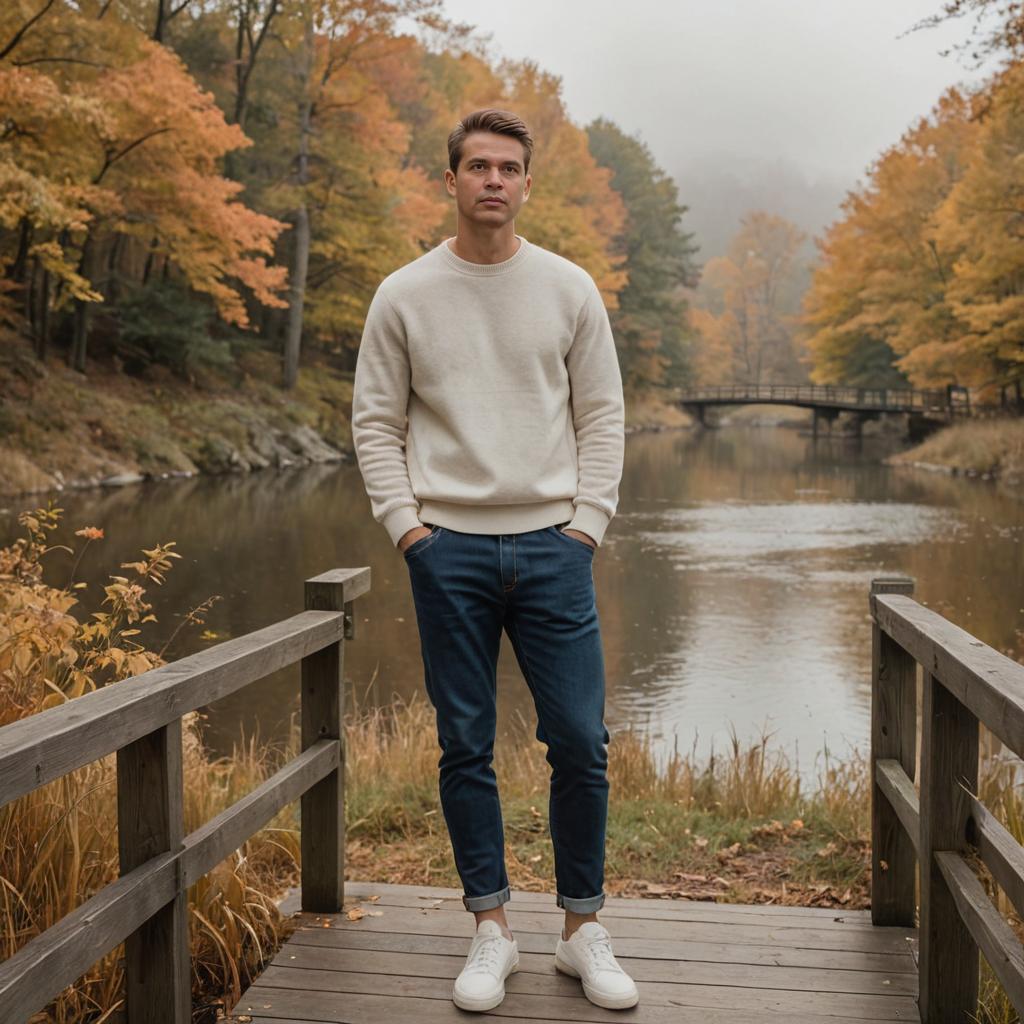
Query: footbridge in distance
{"x":926,"y":410}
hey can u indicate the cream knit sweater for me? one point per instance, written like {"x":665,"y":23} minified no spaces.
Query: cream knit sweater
{"x":488,"y":397}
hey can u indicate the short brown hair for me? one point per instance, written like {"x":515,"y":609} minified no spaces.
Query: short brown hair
{"x":501,"y":122}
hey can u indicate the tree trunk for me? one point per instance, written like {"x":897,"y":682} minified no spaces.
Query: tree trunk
{"x":19,"y":266}
{"x":113,"y":282}
{"x":43,"y":327}
{"x":80,"y":324}
{"x":300,"y":257}
{"x":296,"y":301}
{"x":161,"y":21}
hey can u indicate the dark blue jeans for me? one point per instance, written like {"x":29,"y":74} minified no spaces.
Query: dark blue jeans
{"x":538,"y":586}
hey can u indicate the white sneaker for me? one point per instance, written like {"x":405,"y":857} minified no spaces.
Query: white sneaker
{"x":492,"y":958}
{"x":587,"y":955}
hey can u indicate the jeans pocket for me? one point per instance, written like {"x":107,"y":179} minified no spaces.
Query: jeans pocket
{"x":420,"y":543}
{"x":572,"y":540}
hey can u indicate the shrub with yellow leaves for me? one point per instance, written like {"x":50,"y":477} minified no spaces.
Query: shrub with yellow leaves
{"x":58,"y":844}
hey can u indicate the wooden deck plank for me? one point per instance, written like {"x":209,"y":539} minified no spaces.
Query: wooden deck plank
{"x":695,"y":963}
{"x":653,"y":949}
{"x":646,"y":910}
{"x":441,"y":965}
{"x":360,"y":889}
{"x":275,"y":1004}
{"x":438,"y":922}
{"x":553,"y":985}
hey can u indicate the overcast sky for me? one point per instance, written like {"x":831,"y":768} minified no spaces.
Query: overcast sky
{"x":725,"y":87}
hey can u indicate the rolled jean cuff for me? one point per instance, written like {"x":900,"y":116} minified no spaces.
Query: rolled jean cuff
{"x":495,"y":899}
{"x":580,"y":906}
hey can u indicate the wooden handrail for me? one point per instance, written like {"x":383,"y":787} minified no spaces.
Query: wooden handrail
{"x":964,"y":683}
{"x":140,"y":719}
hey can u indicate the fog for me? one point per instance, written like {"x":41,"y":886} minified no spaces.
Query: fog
{"x":777,"y":104}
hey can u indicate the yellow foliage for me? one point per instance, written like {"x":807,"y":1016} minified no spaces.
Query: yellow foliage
{"x":108,"y":133}
{"x":744,"y":318}
{"x":58,"y":844}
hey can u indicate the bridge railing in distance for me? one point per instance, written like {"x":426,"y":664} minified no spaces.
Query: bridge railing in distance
{"x":964,"y":682}
{"x":893,"y":399}
{"x":140,"y":719}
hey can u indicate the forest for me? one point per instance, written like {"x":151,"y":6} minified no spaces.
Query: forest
{"x":183,"y":180}
{"x":184,"y":183}
{"x":920,"y":280}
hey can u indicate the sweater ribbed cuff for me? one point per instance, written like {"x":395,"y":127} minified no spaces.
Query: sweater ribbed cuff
{"x":589,"y":520}
{"x":399,"y":521}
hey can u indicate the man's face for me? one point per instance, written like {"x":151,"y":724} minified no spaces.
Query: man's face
{"x":491,"y":184}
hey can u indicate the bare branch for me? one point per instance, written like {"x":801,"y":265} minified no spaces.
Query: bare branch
{"x":59,"y":60}
{"x":24,"y":28}
{"x":112,"y":158}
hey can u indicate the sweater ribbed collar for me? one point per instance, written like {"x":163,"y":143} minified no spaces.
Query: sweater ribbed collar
{"x":486,"y":269}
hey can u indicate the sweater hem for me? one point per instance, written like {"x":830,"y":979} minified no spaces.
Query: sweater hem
{"x":517,"y":518}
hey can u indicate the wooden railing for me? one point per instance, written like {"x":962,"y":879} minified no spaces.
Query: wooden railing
{"x":964,"y":682}
{"x":140,"y":719}
{"x":824,"y":395}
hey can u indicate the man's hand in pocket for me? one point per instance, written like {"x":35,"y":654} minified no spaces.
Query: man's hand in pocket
{"x":411,"y":536}
{"x":581,"y":536}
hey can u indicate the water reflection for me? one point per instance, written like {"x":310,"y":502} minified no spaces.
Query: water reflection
{"x":732,"y":585}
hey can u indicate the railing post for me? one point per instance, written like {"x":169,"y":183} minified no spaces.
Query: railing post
{"x":322,"y":807}
{"x":157,"y":963}
{"x":893,"y":735}
{"x":949,"y":757}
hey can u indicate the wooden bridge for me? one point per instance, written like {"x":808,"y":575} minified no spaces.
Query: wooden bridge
{"x":925,"y":410}
{"x":694,"y":962}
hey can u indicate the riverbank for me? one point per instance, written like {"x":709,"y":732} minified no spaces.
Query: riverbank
{"x":62,"y":430}
{"x":986,"y":449}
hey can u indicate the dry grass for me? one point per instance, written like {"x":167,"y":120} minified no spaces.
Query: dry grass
{"x":58,"y":844}
{"x":976,"y":447}
{"x":654,"y":409}
{"x":736,"y":827}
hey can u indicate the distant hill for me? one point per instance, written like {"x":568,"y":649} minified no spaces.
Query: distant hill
{"x":720,"y":188}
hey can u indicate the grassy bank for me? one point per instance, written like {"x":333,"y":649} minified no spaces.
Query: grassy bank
{"x":737,"y":828}
{"x":60,"y":429}
{"x":989,"y":449}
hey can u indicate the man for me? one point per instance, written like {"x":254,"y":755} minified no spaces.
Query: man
{"x":488,"y":424}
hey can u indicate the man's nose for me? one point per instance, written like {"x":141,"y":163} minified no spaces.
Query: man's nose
{"x":493,"y":176}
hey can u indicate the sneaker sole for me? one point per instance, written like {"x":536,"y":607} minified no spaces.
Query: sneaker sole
{"x":479,"y":1005}
{"x":597,"y":998}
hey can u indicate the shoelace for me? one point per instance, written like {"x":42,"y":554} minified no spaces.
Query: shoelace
{"x":599,"y":951}
{"x":486,"y":956}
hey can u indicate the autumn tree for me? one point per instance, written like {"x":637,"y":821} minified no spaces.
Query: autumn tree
{"x":747,"y":303}
{"x":108,"y":128}
{"x":982,"y":221}
{"x":650,"y":321}
{"x":345,"y":147}
{"x":877,"y":312}
{"x":998,"y":28}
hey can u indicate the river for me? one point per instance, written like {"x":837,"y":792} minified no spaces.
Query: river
{"x":732,"y":585}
